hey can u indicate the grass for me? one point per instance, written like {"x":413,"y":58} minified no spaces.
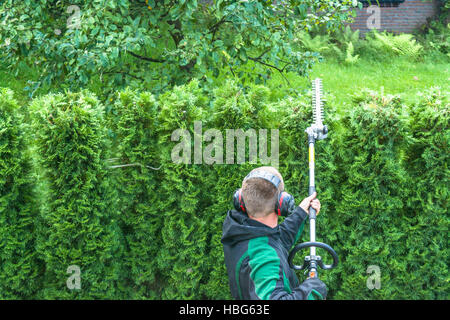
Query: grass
{"x":396,"y":75}
{"x":19,"y":82}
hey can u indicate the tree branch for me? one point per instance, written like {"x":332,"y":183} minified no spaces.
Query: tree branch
{"x":232,"y":72}
{"x":137,"y":164}
{"x":132,"y":165}
{"x":271,"y":66}
{"x":177,"y":27}
{"x":124,"y":73}
{"x":216,"y":26}
{"x":263,"y":53}
{"x":146,"y":58}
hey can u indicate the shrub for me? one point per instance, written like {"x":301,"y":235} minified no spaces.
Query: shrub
{"x":137,"y":184}
{"x":20,"y":268}
{"x":371,"y":200}
{"x":232,"y":109}
{"x":348,"y":55}
{"x":347,"y":42}
{"x":343,"y":36}
{"x":428,"y":218}
{"x":78,"y":223}
{"x":183,"y":194}
{"x":381,"y":177}
{"x":436,"y":36}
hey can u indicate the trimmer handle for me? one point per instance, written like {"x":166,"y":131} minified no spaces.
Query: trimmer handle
{"x":317,"y":259}
{"x":312,"y":212}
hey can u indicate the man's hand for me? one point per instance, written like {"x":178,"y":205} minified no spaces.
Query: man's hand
{"x":318,"y":286}
{"x":310,"y":201}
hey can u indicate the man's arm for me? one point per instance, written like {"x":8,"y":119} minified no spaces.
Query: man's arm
{"x":267,"y":278}
{"x":292,"y":227}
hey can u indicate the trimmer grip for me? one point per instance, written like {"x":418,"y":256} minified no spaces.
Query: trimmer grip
{"x":312,"y":211}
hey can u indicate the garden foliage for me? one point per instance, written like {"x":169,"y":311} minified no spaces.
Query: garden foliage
{"x":20,"y":268}
{"x":159,"y":43}
{"x":428,"y":166}
{"x":142,"y":226}
{"x":78,"y":222}
{"x":137,"y":182}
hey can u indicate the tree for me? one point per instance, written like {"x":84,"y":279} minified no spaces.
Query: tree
{"x":162,"y":42}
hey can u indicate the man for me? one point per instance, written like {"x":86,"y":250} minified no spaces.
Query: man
{"x":256,"y":247}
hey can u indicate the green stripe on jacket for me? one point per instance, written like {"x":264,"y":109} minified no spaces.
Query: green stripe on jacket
{"x":265,"y":266}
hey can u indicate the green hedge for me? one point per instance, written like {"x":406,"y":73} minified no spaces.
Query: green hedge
{"x":79,"y":224}
{"x":135,"y":142}
{"x":141,"y":226}
{"x":20,"y":267}
{"x":427,"y":213}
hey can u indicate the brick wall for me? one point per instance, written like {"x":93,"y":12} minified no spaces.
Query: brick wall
{"x":407,"y":17}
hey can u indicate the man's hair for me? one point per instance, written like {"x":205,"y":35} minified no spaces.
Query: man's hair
{"x":260,"y":195}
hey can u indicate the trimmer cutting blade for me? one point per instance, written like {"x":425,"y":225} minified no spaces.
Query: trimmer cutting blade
{"x":317,"y":103}
{"x":317,"y":130}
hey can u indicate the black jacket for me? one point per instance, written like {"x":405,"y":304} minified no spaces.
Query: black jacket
{"x":256,"y":257}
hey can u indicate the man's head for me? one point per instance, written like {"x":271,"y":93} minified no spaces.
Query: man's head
{"x":260,"y":195}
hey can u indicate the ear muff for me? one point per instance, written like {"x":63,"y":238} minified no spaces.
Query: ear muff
{"x":285,"y":204}
{"x":238,"y":201}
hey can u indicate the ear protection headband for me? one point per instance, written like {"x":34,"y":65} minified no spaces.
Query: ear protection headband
{"x":285,"y":202}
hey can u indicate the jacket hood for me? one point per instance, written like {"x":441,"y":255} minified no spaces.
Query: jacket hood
{"x":239,"y":227}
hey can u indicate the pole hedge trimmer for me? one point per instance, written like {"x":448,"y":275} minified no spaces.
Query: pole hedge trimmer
{"x":317,"y":131}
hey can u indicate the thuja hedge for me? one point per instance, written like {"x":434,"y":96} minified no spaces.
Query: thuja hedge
{"x":135,"y":144}
{"x":142,"y":226}
{"x":79,"y":226}
{"x":20,"y":267}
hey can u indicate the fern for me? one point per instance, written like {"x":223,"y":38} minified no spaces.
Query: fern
{"x":402,"y":45}
{"x":319,"y":43}
{"x":347,"y":55}
{"x":350,"y":58}
{"x":343,"y":37}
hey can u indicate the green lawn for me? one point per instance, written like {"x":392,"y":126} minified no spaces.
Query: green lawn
{"x":19,"y":82}
{"x":399,"y":76}
{"x":396,"y":76}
